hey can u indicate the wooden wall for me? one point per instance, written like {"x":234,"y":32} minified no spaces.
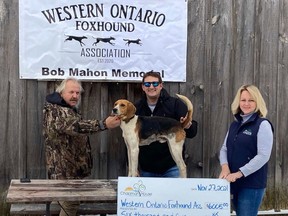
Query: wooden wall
{"x":230,"y":43}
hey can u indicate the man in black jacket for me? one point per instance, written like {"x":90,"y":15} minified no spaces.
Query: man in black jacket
{"x":155,"y":160}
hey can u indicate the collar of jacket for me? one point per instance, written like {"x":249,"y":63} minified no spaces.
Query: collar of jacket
{"x":55,"y":98}
{"x":239,"y":118}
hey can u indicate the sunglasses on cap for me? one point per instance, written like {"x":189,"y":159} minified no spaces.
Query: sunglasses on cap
{"x":148,"y":84}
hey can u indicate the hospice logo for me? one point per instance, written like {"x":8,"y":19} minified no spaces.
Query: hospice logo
{"x":138,"y":189}
{"x":247,"y":132}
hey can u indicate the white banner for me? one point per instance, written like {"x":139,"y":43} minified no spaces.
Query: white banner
{"x":102,"y":40}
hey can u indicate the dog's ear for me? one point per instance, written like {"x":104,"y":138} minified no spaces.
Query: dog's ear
{"x":131,"y":109}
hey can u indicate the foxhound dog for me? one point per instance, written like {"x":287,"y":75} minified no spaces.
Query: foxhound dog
{"x":143,"y":130}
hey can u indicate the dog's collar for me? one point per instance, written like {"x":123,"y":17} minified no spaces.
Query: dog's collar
{"x":127,"y":120}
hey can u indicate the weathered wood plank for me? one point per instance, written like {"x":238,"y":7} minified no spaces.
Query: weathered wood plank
{"x":279,"y":161}
{"x":243,"y":29}
{"x":265,"y":72}
{"x":196,"y":74}
{"x":42,"y":190}
{"x":220,"y":72}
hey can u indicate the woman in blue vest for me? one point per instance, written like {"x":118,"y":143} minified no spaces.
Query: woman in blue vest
{"x":246,"y":150}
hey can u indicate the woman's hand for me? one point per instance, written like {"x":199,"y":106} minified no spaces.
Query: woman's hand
{"x":224,"y":172}
{"x":234,"y":176}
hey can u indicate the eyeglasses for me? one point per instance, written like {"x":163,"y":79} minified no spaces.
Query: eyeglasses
{"x":148,"y":84}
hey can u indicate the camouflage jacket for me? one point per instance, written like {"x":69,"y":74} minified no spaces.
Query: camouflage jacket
{"x":68,"y":150}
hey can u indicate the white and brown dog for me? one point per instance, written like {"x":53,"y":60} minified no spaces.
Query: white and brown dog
{"x":143,"y":130}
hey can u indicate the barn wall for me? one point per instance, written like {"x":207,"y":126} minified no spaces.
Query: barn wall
{"x":230,"y":43}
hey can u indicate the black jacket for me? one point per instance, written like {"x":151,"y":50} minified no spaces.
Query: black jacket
{"x":156,"y":157}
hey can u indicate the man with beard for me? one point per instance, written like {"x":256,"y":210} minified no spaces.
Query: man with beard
{"x":68,"y":150}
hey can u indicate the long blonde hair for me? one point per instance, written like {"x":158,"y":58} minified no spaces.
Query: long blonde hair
{"x":256,"y":96}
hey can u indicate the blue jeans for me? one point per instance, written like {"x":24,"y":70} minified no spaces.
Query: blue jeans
{"x":247,"y":201}
{"x":173,"y":172}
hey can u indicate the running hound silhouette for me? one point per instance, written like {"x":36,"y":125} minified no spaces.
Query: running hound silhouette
{"x":133,"y":41}
{"x":105,"y":40}
{"x":79,"y":39}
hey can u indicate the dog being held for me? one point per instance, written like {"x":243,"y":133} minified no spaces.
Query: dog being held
{"x":143,"y":130}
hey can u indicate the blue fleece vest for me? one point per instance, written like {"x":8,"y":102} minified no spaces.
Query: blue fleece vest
{"x":241,"y":148}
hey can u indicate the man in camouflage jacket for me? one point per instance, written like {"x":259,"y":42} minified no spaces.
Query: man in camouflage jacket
{"x":68,"y":150}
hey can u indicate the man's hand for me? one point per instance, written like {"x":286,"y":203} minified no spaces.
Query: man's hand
{"x":183,"y":119}
{"x":112,"y":122}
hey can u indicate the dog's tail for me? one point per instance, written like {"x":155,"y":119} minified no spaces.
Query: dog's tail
{"x":189,"y":107}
